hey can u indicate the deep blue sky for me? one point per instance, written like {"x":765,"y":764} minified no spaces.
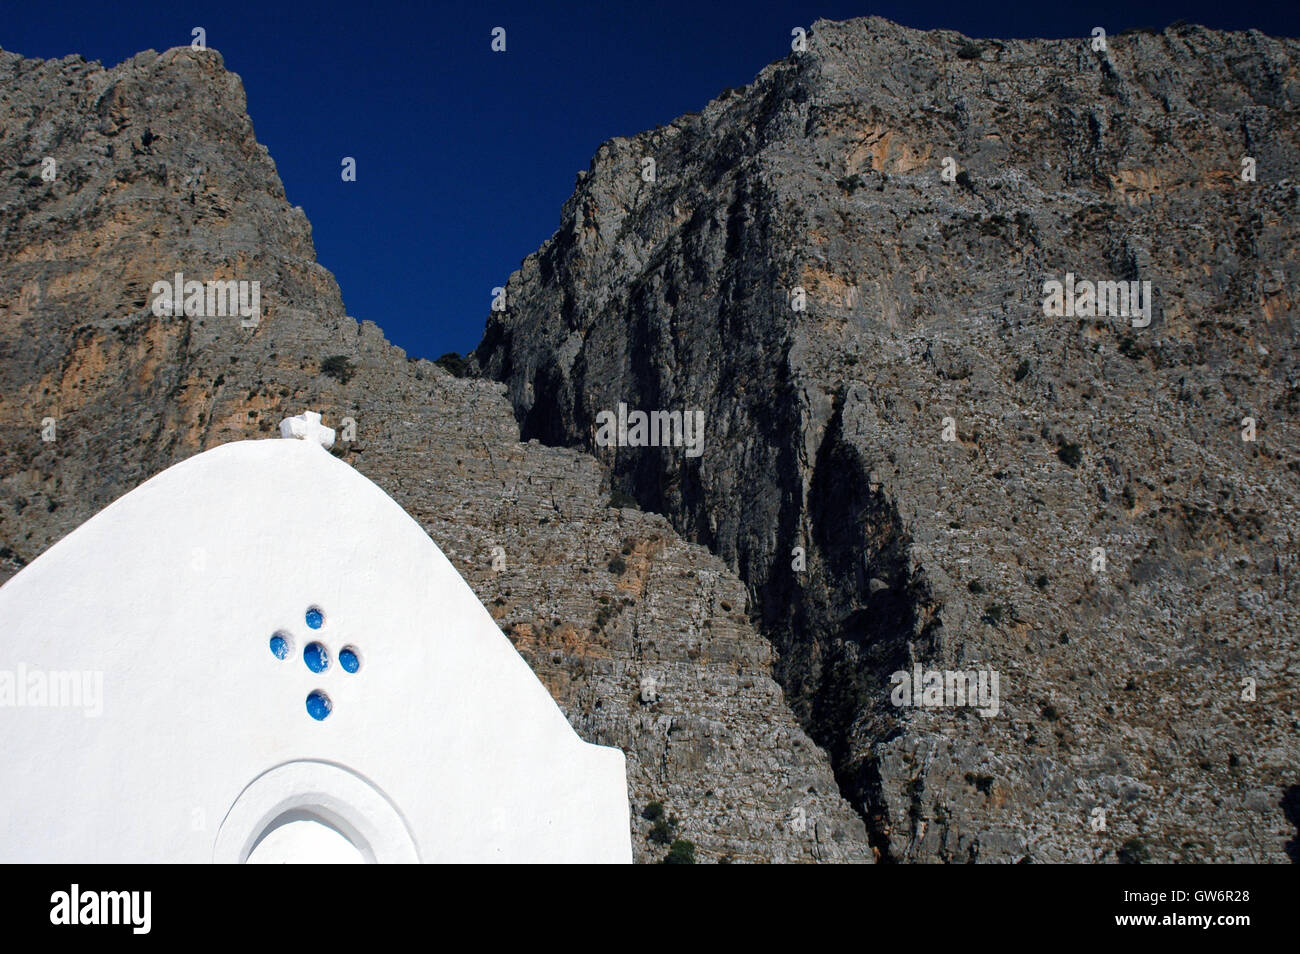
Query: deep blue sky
{"x":464,"y":155}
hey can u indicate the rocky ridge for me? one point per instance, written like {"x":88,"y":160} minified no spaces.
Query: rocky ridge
{"x":1095,"y":528}
{"x":159,"y":171}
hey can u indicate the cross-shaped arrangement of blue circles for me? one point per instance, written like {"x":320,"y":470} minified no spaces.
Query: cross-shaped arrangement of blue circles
{"x":316,"y":657}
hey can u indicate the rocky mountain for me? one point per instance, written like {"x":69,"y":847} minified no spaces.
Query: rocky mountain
{"x":911,"y":463}
{"x":643,"y":637}
{"x":906,"y":463}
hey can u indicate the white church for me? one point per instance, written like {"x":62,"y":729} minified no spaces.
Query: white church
{"x":258,"y":656}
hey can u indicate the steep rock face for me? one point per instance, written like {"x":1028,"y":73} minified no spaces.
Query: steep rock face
{"x":158,"y":171}
{"x":1095,"y":528}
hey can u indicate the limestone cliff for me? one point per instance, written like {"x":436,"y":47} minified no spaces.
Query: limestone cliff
{"x":1076,"y":503}
{"x":157,"y":171}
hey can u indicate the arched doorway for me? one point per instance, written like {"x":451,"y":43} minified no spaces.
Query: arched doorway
{"x":301,"y":838}
{"x":313,"y":813}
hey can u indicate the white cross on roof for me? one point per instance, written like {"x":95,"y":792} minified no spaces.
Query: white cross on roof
{"x":307,"y":427}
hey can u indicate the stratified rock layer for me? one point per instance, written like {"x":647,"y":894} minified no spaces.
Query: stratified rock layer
{"x":158,"y":172}
{"x":1097,"y":530}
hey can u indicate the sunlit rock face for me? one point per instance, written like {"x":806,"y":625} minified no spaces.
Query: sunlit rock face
{"x":158,"y":172}
{"x":910,"y":460}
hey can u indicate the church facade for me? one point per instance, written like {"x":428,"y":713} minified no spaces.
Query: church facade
{"x":257,"y":655}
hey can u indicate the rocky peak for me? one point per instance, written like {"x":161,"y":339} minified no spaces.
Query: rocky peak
{"x":910,"y":464}
{"x":642,"y":637}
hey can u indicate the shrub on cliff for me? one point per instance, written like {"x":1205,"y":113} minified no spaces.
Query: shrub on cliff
{"x":338,"y":366}
{"x":454,"y":364}
{"x":681,"y":852}
{"x":1070,"y":454}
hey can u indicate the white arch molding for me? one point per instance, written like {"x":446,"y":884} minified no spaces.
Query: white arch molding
{"x":320,"y":792}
